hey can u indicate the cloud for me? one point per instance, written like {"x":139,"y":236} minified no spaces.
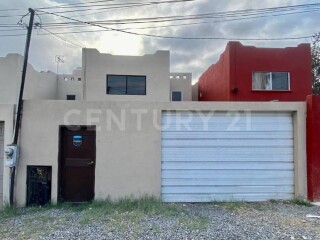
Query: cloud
{"x":186,"y":55}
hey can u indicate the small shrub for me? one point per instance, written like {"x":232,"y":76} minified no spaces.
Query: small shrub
{"x":231,"y":205}
{"x":145,"y":206}
{"x":9,"y":212}
{"x":300,"y":202}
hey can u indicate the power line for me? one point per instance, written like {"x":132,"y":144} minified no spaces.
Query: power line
{"x":181,"y":19}
{"x":100,"y":11}
{"x":56,"y":6}
{"x":118,"y":6}
{"x":121,"y":4}
{"x":311,"y":7}
{"x":124,"y":30}
{"x":13,"y":35}
{"x":8,"y":26}
{"x":11,"y":30}
{"x":170,"y":37}
{"x":60,"y":38}
{"x":87,"y":5}
{"x":147,"y":27}
{"x":173,"y":37}
{"x":39,"y":25}
{"x":74,"y":4}
{"x":249,"y":12}
{"x":8,"y":16}
{"x":11,"y":9}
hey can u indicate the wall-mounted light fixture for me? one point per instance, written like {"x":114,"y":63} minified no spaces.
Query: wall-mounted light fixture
{"x":235,"y":90}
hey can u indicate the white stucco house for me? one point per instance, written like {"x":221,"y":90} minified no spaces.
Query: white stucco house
{"x":133,"y":130}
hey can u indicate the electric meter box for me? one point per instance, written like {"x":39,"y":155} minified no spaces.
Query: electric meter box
{"x":10,"y":155}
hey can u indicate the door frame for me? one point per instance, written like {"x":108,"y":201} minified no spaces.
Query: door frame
{"x":76,"y":127}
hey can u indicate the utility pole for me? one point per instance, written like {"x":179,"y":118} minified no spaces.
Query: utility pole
{"x":20,"y":100}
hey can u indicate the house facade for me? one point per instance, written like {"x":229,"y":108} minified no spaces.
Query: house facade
{"x":102,"y":77}
{"x":247,"y":73}
{"x":135,"y":131}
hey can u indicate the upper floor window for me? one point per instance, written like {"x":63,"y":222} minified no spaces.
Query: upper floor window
{"x":126,"y":85}
{"x":176,"y":96}
{"x":71,"y":97}
{"x":271,"y":81}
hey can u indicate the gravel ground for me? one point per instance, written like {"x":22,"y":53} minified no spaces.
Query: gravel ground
{"x":190,"y":221}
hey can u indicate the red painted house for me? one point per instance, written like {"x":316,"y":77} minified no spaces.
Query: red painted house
{"x":247,"y":73}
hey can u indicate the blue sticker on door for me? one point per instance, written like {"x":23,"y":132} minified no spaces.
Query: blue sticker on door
{"x":77,"y":140}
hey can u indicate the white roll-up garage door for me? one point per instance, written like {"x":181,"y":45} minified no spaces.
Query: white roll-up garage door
{"x":227,"y":156}
{"x":1,"y":160}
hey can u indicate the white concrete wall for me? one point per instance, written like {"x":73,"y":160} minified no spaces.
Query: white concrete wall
{"x":70,"y":84}
{"x":155,"y":67}
{"x":6,"y":117}
{"x":10,"y":73}
{"x":128,"y":160}
{"x":195,"y":92}
{"x":181,"y":82}
{"x":38,"y":85}
{"x":50,"y":86}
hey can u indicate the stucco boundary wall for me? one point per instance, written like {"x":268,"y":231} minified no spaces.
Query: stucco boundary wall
{"x":6,"y":117}
{"x":128,"y":156}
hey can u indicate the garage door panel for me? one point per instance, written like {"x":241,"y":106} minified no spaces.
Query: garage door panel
{"x":219,"y":113}
{"x":228,"y":189}
{"x":208,"y":165}
{"x":227,"y":122}
{"x":232,"y":135}
{"x":245,"y":158}
{"x":225,"y":174}
{"x":217,"y":143}
{"x":227,"y":156}
{"x":226,"y":116}
{"x":227,"y":126}
{"x":224,"y":197}
{"x":216,"y":181}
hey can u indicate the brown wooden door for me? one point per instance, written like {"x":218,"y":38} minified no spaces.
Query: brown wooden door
{"x":77,"y":164}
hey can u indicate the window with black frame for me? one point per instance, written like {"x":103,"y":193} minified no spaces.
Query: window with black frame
{"x":126,"y":85}
{"x":71,"y":97}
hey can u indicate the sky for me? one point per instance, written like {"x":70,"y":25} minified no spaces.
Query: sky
{"x":187,"y":55}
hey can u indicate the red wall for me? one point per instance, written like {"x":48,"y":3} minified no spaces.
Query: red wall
{"x":313,"y":147}
{"x":214,"y":83}
{"x":217,"y":82}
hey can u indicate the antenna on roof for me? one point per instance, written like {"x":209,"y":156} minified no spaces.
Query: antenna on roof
{"x":59,"y":59}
